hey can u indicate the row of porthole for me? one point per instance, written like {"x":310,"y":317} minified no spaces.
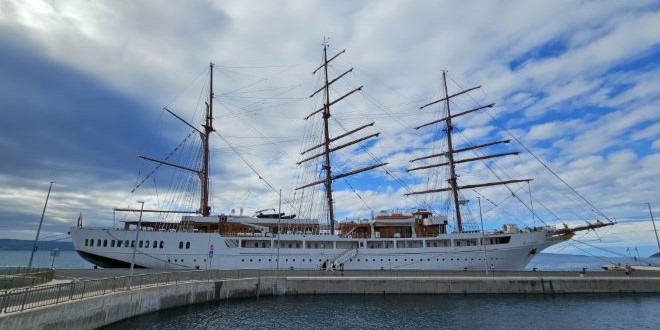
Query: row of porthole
{"x":125,"y":243}
{"x":177,"y":260}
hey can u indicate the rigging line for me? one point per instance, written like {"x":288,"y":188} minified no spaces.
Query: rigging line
{"x":247,"y":163}
{"x":497,"y":176}
{"x":159,"y":165}
{"x":188,"y":86}
{"x":536,"y":157}
{"x":262,"y":67}
{"x":258,"y":81}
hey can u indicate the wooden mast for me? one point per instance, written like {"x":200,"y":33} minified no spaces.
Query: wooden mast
{"x":203,"y":173}
{"x":450,"y":157}
{"x":205,"y":209}
{"x":327,"y":140}
{"x":326,"y":131}
{"x":451,"y":161}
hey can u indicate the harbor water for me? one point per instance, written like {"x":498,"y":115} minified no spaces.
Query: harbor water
{"x":411,"y":312}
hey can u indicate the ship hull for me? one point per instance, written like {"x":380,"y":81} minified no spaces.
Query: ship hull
{"x":194,"y":250}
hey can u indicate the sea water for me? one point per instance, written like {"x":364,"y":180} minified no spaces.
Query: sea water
{"x":65,"y":260}
{"x":575,"y":311}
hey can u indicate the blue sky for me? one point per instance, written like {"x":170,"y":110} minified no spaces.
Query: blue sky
{"x":83,"y":86}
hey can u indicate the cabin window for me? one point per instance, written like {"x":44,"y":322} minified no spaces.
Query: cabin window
{"x":105,"y":243}
{"x":180,"y":245}
{"x":155,"y":244}
{"x":98,"y":242}
{"x":256,"y":244}
{"x":187,"y":245}
{"x":161,"y":244}
{"x":141,"y":244}
{"x":86,"y":242}
{"x":146,"y":244}
{"x":133,"y":243}
{"x":119,"y":243}
{"x":126,"y":243}
{"x":112,"y":243}
{"x":91,"y":242}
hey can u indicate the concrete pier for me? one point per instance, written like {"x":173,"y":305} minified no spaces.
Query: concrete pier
{"x":97,"y":311}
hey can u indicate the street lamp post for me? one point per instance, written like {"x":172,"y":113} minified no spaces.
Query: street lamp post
{"x":137,"y":236}
{"x":36,"y":239}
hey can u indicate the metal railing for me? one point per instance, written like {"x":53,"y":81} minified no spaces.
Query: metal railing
{"x":13,"y":277}
{"x":17,"y":300}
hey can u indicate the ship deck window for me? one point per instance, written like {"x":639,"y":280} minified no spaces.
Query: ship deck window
{"x":105,"y":243}
{"x":91,"y":242}
{"x":126,"y":243}
{"x":86,"y":241}
{"x":140,"y":244}
{"x":112,"y":243}
{"x":187,"y":245}
{"x":180,"y":245}
{"x":119,"y":243}
{"x":155,"y":245}
{"x":133,"y":243}
{"x":98,"y":242}
{"x":161,"y":244}
{"x":146,"y":244}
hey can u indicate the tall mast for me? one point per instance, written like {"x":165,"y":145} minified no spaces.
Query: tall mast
{"x":451,"y":161}
{"x":326,"y":131}
{"x":327,"y":140}
{"x":450,"y":157}
{"x":208,"y":128}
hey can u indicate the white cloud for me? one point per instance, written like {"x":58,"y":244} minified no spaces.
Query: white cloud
{"x":151,"y":50}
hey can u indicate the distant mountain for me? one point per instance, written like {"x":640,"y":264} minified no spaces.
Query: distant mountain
{"x":26,"y":245}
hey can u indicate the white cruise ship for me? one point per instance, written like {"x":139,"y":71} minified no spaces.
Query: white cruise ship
{"x":415,"y":240}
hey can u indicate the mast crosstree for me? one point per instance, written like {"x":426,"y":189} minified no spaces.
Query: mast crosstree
{"x":327,"y":140}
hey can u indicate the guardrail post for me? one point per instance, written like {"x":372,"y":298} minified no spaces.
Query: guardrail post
{"x":24,"y":298}
{"x":3,"y":301}
{"x":59,"y":288}
{"x":82,"y":294}
{"x":72,"y":287}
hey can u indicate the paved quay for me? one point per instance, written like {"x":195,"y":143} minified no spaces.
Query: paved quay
{"x":91,"y":298}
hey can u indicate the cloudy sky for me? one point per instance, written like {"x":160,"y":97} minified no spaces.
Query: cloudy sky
{"x":83,"y":85}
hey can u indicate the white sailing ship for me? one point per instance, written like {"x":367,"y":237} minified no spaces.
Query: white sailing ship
{"x":415,"y":240}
